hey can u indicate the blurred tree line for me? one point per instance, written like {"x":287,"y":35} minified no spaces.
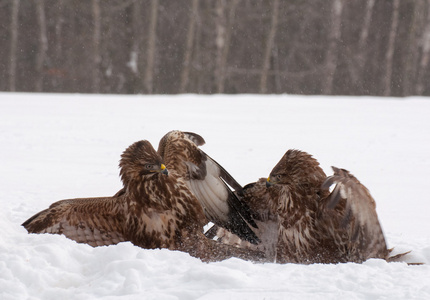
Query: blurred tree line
{"x":348,"y":47}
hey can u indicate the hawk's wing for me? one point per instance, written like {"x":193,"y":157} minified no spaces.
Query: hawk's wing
{"x":95,"y":221}
{"x":208,"y":181}
{"x":263,"y":206}
{"x":351,"y":209}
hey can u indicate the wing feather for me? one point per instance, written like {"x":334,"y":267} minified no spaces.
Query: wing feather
{"x":95,"y":221}
{"x":195,"y":138}
{"x":358,"y":219}
{"x":258,"y":199}
{"x":222,"y":173}
{"x":209,"y":200}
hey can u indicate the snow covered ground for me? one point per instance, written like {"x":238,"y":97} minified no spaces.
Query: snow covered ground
{"x":55,"y":147}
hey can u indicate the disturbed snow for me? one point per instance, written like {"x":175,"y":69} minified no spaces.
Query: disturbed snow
{"x":56,"y":147}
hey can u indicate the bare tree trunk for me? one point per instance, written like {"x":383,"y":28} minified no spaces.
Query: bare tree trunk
{"x":422,"y":69}
{"x":390,"y":49}
{"x":56,"y":81}
{"x":356,"y":65}
{"x":43,"y":44}
{"x":219,"y":41}
{"x":13,"y":45}
{"x":95,"y":85}
{"x":197,"y":56}
{"x":413,"y":42}
{"x":189,"y":47}
{"x":332,"y":51}
{"x":269,"y":47}
{"x":226,"y":48}
{"x":223,"y":35}
{"x":59,"y":27}
{"x":136,"y":63}
{"x":152,"y":33}
{"x":364,"y":33}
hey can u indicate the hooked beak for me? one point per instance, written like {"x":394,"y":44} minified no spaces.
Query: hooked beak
{"x":163,"y":170}
{"x":268,"y":182}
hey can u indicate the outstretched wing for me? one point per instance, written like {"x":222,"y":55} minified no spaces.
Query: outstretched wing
{"x":94,"y":221}
{"x":357,"y":220}
{"x":208,"y":181}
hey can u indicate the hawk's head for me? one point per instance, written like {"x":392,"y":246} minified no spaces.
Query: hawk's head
{"x":139,"y":161}
{"x":296,"y":167}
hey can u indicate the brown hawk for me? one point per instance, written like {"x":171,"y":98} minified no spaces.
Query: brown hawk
{"x":209,"y":182}
{"x":300,"y":221}
{"x":155,"y":209}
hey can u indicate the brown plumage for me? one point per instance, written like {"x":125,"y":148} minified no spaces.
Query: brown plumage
{"x":207,"y":180}
{"x":301,"y":221}
{"x":153,"y":210}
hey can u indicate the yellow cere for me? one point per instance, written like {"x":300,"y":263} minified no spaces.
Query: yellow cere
{"x":268,"y":179}
{"x":163,"y":166}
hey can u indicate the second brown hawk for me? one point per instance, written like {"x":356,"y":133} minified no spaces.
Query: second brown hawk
{"x":300,"y":221}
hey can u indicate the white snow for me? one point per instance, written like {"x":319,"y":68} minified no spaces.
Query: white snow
{"x":56,"y":146}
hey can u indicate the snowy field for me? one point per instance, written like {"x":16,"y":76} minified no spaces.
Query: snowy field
{"x":57,"y":147}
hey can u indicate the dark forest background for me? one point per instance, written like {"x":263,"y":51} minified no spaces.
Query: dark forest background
{"x":350,"y":47}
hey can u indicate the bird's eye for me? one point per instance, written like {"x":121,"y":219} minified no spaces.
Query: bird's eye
{"x":149,"y":166}
{"x":279,"y":177}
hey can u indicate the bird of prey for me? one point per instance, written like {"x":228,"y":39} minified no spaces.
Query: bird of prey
{"x":154,"y":209}
{"x":301,"y":221}
{"x":209,"y":182}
